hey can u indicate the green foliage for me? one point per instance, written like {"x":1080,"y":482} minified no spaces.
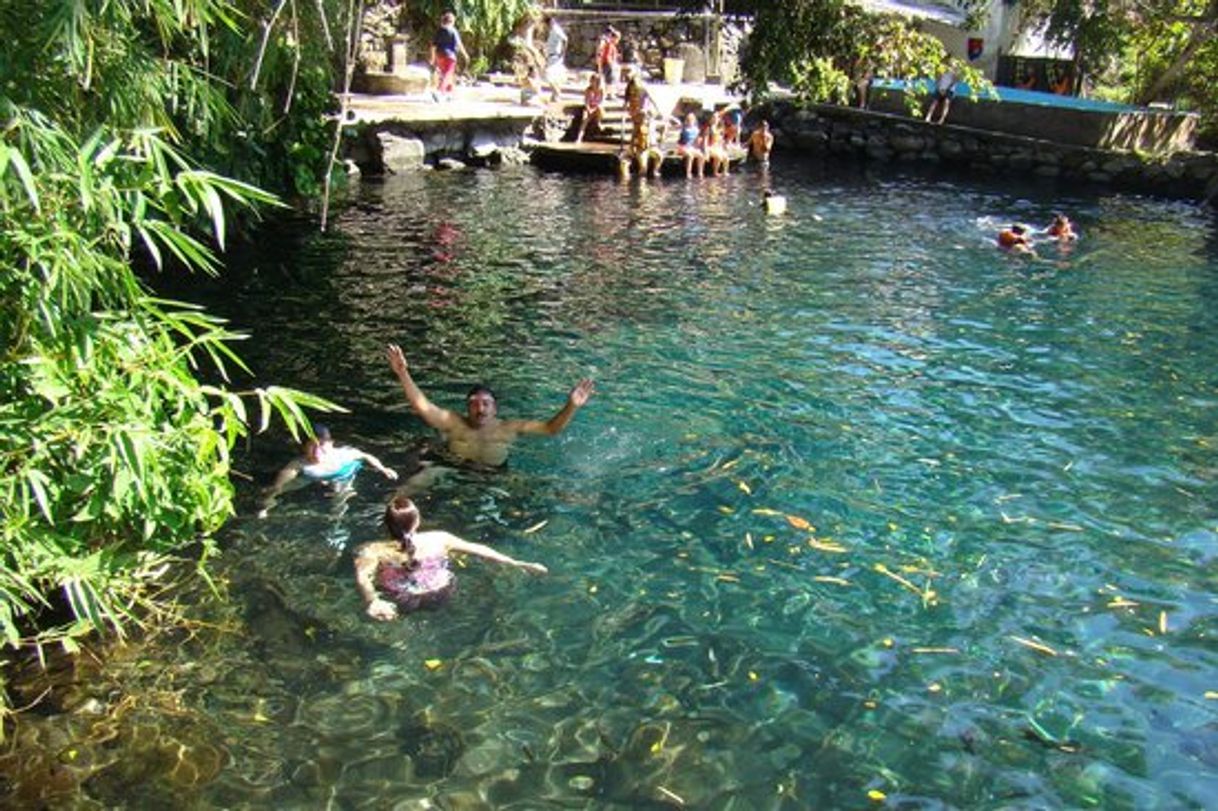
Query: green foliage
{"x":823,"y":49}
{"x":200,"y":71}
{"x":1153,"y":51}
{"x":484,"y":24}
{"x":817,"y":79}
{"x":115,"y":456}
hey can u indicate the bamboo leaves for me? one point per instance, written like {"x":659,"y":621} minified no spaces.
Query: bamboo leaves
{"x":115,"y":455}
{"x":11,"y":158}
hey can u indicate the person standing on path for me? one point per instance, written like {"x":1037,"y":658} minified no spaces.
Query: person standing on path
{"x":446,"y":46}
{"x":556,"y":52}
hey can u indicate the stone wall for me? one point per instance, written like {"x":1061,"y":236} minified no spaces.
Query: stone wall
{"x":392,"y":147}
{"x":649,"y":36}
{"x":1115,"y":128}
{"x":883,"y":137}
{"x":654,"y":36}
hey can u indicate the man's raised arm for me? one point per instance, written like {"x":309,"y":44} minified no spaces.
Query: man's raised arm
{"x":439,"y":418}
{"x":575,"y":401}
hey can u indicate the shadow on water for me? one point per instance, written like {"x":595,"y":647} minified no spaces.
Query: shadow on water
{"x":860,"y":505}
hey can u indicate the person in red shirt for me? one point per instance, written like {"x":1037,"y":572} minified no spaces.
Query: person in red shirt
{"x":445,"y":48}
{"x":1015,"y":239}
{"x":608,"y":57}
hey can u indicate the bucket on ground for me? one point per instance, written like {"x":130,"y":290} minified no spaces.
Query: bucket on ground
{"x":674,"y":70}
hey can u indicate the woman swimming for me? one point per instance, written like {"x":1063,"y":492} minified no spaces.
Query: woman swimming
{"x":321,"y":461}
{"x":411,"y":570}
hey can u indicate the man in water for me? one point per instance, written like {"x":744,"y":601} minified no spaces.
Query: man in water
{"x":480,"y":436}
{"x":761,"y":142}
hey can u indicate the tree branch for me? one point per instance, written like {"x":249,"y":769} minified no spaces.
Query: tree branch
{"x":266,"y":36}
{"x":355,"y":18}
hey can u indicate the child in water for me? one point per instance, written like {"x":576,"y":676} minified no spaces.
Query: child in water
{"x":1061,"y":228}
{"x":1015,"y":239}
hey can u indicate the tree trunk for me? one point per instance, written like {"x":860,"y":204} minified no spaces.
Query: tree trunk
{"x":1202,"y":32}
{"x":1199,"y":36}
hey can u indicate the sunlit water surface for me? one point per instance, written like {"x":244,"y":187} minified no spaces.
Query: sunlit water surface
{"x":862,"y":510}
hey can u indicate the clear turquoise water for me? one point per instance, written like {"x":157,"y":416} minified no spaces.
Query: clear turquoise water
{"x":1009,"y":598}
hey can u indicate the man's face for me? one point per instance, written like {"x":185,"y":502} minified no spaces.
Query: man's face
{"x":481,"y":407}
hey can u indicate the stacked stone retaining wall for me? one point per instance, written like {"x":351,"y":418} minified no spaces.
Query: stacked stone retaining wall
{"x":885,"y":138}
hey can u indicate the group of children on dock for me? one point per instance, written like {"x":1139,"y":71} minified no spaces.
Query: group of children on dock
{"x":700,"y":143}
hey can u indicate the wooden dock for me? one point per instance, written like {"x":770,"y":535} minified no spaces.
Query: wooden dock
{"x":600,"y":157}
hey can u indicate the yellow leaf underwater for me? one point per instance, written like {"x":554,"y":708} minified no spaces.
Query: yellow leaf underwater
{"x":1036,"y":646}
{"x":825,"y":546}
{"x":800,"y":523}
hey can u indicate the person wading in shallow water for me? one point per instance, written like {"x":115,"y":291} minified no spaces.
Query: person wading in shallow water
{"x":411,"y":569}
{"x":480,"y":436}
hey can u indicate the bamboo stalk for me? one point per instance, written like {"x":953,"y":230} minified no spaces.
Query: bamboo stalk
{"x":353,"y":32}
{"x":266,"y":36}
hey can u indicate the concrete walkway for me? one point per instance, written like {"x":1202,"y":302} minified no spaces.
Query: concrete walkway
{"x":490,"y":101}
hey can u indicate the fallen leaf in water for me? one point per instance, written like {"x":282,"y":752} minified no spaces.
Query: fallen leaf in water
{"x":1036,"y":646}
{"x":825,"y":546}
{"x":677,"y":798}
{"x":800,"y":523}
